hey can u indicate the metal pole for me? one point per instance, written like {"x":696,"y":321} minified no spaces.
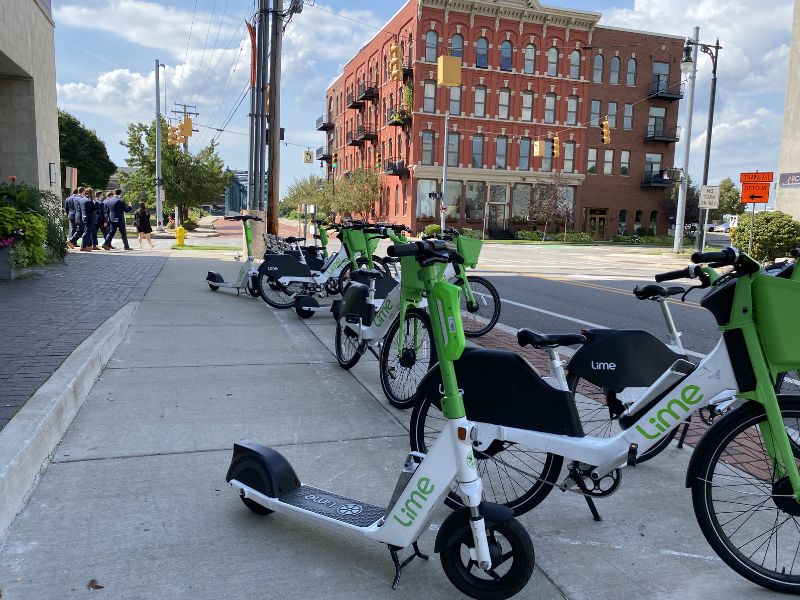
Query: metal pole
{"x":159,"y":183}
{"x":680,"y":217}
{"x":274,"y":149}
{"x":705,"y":229}
{"x":253,"y":118}
{"x":257,"y":201}
{"x":444,"y":168}
{"x":713,"y":54}
{"x":752,"y":227}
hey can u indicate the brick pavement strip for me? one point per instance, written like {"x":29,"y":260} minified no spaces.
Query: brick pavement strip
{"x":43,"y":318}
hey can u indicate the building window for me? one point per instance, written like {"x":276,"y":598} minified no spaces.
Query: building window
{"x":431,"y":43}
{"x":653,"y":222}
{"x":452,"y":199}
{"x":552,"y":62}
{"x":530,"y":59}
{"x":477,"y":151}
{"x":427,"y":147}
{"x":652,"y":164}
{"x":656,"y":119}
{"x":615,"y":65}
{"x":482,"y":53}
{"x":453,"y":143}
{"x":660,"y":76}
{"x":396,"y":199}
{"x":627,"y":117}
{"x":630,"y":77}
{"x":572,"y":110}
{"x":569,"y":157}
{"x":597,"y":69}
{"x":405,"y":200}
{"x":501,"y":148}
{"x":591,"y":161}
{"x":455,"y":100}
{"x":625,"y":163}
{"x":637,"y":220}
{"x":575,"y":65}
{"x":480,"y":101}
{"x":594,"y":113}
{"x":612,"y":114}
{"x":457,"y":46}
{"x":547,"y":158}
{"x":527,"y":106}
{"x":525,"y":154}
{"x":505,"y":56}
{"x":429,"y":97}
{"x":608,"y":162}
{"x":474,"y":199}
{"x":623,"y":221}
{"x":521,"y":200}
{"x":504,"y":98}
{"x":550,"y":108}
{"x":426,"y":206}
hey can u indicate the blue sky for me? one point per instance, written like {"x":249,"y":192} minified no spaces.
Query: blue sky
{"x":105,"y":53}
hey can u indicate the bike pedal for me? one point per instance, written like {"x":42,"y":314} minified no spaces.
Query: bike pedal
{"x":633,"y":450}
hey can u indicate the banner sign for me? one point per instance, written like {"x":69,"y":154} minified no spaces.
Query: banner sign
{"x":789,"y":180}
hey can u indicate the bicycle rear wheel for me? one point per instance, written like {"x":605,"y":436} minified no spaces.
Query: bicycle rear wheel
{"x":744,"y":506}
{"x":479,"y":320}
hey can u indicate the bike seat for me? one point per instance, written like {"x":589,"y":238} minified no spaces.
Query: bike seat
{"x":651,"y":291}
{"x":370,"y":273}
{"x":292,"y":240}
{"x":526,"y":337}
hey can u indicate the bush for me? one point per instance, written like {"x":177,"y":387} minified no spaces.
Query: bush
{"x":472,"y":233}
{"x":575,"y":237}
{"x":29,"y":232}
{"x":642,"y":231}
{"x":774,"y":236}
{"x":657,"y":239}
{"x":46,"y":204}
{"x":626,"y":239}
{"x":431,"y":229}
{"x":189,"y":224}
{"x":525,"y":234}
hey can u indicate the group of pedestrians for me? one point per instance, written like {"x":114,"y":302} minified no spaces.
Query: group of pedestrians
{"x":89,"y":212}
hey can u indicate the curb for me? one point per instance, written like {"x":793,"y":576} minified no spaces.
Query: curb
{"x":31,"y":436}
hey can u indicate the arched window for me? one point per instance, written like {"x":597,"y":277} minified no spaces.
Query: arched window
{"x":482,"y":53}
{"x":615,"y":66}
{"x":630,"y":78}
{"x":505,"y":56}
{"x":575,"y":65}
{"x":597,"y":69}
{"x":330,"y":110}
{"x":431,"y":43}
{"x":637,"y":220}
{"x":623,"y":221}
{"x":530,"y":59}
{"x":653,"y":222}
{"x":457,"y":45}
{"x":552,"y":62}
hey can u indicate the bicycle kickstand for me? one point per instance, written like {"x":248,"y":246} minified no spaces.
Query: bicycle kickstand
{"x":686,"y":424}
{"x":595,"y":515}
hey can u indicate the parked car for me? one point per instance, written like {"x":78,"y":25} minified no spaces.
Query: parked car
{"x":723,"y":228}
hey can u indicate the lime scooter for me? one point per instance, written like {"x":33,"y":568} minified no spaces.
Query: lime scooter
{"x":248,"y":275}
{"x":484,"y":550}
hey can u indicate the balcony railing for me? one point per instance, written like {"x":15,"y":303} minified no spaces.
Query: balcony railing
{"x":658,"y":179}
{"x":398,"y":117}
{"x":367,"y":91}
{"x":324,"y":153}
{"x":352,"y":139}
{"x":395,"y":168}
{"x":366,"y":133}
{"x":324,"y":123}
{"x":660,"y":133}
{"x":354,"y":102}
{"x":665,"y":89}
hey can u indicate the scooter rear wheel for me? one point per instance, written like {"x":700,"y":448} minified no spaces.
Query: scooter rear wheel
{"x":214,"y":288}
{"x":348,"y":348}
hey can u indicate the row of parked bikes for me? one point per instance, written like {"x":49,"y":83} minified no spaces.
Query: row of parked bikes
{"x":490,"y":436}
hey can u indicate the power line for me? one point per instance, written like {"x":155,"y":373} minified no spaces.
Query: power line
{"x":205,"y":45}
{"x":186,"y":55}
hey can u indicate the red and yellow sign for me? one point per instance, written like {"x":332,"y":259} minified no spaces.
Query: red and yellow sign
{"x":757,"y":177}
{"x":755,"y":192}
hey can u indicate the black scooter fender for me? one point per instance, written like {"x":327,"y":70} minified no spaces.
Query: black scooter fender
{"x":262,"y":468}
{"x":457,"y":523}
{"x":277,"y":266}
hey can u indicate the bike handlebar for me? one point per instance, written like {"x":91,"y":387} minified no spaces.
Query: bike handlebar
{"x":724,"y":258}
{"x":670,"y":275}
{"x":416,"y":248}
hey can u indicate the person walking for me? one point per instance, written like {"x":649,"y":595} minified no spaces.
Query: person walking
{"x":69,"y":210}
{"x":84,"y":218}
{"x":116,"y":208}
{"x":141,"y":219}
{"x":101,"y":219}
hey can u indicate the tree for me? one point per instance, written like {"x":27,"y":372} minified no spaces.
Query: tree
{"x":81,"y":148}
{"x":729,"y":201}
{"x":310,"y":190}
{"x":358,"y":193}
{"x":775,"y":235}
{"x":190,"y":180}
{"x":692,"y":214}
{"x":549,"y":202}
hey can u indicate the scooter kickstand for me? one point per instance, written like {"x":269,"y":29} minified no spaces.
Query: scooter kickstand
{"x":686,"y":424}
{"x":398,"y":566}
{"x":595,"y":515}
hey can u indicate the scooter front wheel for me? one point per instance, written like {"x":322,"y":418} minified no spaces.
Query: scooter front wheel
{"x":511,"y":550}
{"x":348,"y":348}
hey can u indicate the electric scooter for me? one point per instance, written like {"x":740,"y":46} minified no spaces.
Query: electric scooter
{"x":484,"y":550}
{"x":248,"y":275}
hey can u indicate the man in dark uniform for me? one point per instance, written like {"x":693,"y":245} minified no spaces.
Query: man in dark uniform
{"x":84,"y":216}
{"x":79,"y":227}
{"x":100,"y":220}
{"x":116,"y":208}
{"x":69,"y":209}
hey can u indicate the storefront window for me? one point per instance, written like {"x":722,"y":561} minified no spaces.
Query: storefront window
{"x":453,"y":199}
{"x":474,"y":199}
{"x":426,"y":206}
{"x":521,"y":201}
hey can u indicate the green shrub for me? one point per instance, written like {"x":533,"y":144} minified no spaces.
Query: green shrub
{"x":575,"y":237}
{"x":625,"y":239}
{"x":189,"y":224}
{"x":30,"y":199}
{"x":526,"y":234}
{"x":657,"y":239}
{"x":774,"y":236}
{"x":29,"y":231}
{"x":644,"y":231}
{"x":431,"y":229}
{"x":472,"y":233}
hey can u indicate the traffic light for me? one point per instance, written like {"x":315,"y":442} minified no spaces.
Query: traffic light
{"x":378,"y":160}
{"x":395,"y":63}
{"x":605,"y":132}
{"x":172,"y":137}
{"x":185,"y":128}
{"x":556,"y":146}
{"x":335,"y":162}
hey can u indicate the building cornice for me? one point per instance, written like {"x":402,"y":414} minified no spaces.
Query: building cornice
{"x":530,"y":11}
{"x":494,"y":175}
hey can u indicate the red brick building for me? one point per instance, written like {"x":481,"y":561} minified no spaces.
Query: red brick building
{"x":529,"y":73}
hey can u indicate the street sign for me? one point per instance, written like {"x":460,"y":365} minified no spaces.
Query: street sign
{"x":163,"y":194}
{"x":757,"y":193}
{"x":757,"y":177}
{"x":709,"y":196}
{"x":443,"y":208}
{"x":308,"y":158}
{"x":734,"y":221}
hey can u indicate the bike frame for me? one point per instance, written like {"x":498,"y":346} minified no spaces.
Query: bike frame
{"x":335,"y":267}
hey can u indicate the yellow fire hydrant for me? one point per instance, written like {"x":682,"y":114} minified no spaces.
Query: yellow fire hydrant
{"x":180,"y":235}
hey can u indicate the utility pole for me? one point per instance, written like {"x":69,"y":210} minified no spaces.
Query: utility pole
{"x":186,"y":113}
{"x":259,"y":124}
{"x":159,"y":182}
{"x":254,"y":62}
{"x":274,"y":117}
{"x":443,"y":195}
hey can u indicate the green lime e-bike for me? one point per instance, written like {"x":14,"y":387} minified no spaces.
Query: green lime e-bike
{"x":483,"y":549}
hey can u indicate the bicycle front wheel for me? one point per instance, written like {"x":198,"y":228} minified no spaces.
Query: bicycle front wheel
{"x":744,"y":505}
{"x":514,"y":476}
{"x":480,"y":318}
{"x":402,"y":368}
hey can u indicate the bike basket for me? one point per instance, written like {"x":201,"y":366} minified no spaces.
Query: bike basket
{"x":470,"y":249}
{"x":446,"y":298}
{"x":409,"y":276}
{"x":356,"y":241}
{"x":371,"y":243}
{"x":775,"y":307}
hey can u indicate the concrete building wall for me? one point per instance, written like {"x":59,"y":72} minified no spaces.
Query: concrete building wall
{"x":788,"y":195}
{"x":28,"y":110}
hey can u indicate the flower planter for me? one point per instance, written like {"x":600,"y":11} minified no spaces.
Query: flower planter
{"x":8,"y":272}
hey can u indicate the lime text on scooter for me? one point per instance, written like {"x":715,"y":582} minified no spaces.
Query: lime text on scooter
{"x":676,"y":409}
{"x":415,"y":500}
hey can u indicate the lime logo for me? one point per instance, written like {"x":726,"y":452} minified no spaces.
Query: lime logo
{"x":350,"y":509}
{"x":386,"y":308}
{"x":415,"y":501}
{"x":673,"y":413}
{"x":471,"y":460}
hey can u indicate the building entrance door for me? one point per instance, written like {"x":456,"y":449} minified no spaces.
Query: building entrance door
{"x":596,"y":223}
{"x":496,"y":219}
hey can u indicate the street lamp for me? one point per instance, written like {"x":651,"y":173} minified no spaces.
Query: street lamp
{"x":686,"y":67}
